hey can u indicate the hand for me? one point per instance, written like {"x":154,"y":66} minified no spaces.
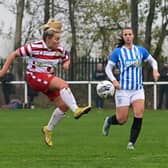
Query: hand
{"x":116,"y":84}
{"x":65,"y":67}
{"x":1,"y":73}
{"x":156,"y":75}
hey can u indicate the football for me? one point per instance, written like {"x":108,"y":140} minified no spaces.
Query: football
{"x":105,"y":89}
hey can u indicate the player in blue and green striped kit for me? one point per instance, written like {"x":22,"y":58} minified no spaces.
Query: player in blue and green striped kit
{"x":129,"y":89}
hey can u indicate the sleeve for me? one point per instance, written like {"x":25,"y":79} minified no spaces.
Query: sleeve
{"x":66,"y":56}
{"x":26,"y":50}
{"x":148,"y":58}
{"x":152,"y":62}
{"x":114,"y":55}
{"x":145,"y":53}
{"x":108,"y":69}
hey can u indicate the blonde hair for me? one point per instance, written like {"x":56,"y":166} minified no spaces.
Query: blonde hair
{"x":52,"y":23}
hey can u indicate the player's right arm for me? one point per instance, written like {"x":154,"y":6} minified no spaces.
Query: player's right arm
{"x":7,"y":63}
{"x":109,"y":67}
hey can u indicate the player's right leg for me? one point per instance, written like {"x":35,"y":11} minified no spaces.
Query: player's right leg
{"x":106,"y":127}
{"x":107,"y":124}
{"x":119,"y":118}
{"x":81,"y":111}
{"x":67,"y":97}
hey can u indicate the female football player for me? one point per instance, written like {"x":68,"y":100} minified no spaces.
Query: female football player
{"x":43,"y":56}
{"x":129,"y":89}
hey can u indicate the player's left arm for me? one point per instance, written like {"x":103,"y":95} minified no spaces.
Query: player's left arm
{"x":66,"y":65}
{"x":154,"y":65}
{"x":66,"y":61}
{"x":152,"y":62}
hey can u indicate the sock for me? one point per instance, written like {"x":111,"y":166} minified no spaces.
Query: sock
{"x":68,"y":98}
{"x":56,"y":116}
{"x":113,"y":120}
{"x":135,"y":129}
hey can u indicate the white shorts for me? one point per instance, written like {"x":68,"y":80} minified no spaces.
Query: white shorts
{"x":126,"y":97}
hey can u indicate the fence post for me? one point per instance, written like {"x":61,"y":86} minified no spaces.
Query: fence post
{"x":89,"y":94}
{"x":155,"y":95}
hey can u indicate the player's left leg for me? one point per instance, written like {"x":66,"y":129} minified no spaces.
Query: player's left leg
{"x":138,"y":110}
{"x":56,"y":117}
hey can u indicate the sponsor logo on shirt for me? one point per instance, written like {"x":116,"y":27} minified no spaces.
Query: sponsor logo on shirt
{"x":131,"y":62}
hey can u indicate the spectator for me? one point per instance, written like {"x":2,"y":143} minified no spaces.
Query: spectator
{"x":99,"y":75}
{"x":7,"y":88}
{"x":163,"y":88}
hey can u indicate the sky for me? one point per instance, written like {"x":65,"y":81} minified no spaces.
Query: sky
{"x":8,"y":20}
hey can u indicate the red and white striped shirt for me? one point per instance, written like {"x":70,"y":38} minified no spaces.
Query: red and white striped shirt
{"x":41,"y":58}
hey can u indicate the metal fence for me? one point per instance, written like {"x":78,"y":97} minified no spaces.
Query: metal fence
{"x":81,"y":70}
{"x":84,"y":92}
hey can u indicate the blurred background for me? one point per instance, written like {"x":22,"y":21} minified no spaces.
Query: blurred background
{"x":90,"y":31}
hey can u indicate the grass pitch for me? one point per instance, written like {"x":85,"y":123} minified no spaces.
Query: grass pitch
{"x":79,"y":143}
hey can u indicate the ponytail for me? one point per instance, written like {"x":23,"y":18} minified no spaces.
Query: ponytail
{"x":120,"y":42}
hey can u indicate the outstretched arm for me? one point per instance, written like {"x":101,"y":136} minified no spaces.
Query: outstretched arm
{"x":8,"y":62}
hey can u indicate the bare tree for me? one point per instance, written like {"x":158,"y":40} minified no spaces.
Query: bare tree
{"x":149,"y":22}
{"x":163,"y":31}
{"x":73,"y":28}
{"x":134,"y":18}
{"x":52,"y":13}
{"x":46,"y":10}
{"x":73,"y":51}
{"x":19,"y":19}
{"x":18,"y":35}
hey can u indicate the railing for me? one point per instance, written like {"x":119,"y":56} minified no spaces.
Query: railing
{"x":25,"y":88}
{"x":90,"y":83}
{"x":145,"y":83}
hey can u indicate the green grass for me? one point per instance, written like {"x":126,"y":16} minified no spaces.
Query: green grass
{"x":79,"y":143}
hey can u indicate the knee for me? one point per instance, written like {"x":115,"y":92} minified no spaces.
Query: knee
{"x":63,"y":84}
{"x":122,"y":120}
{"x":64,"y":108}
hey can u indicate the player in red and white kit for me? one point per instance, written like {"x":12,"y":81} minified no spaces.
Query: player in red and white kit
{"x":43,"y":56}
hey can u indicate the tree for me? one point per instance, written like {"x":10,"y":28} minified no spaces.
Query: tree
{"x":19,"y":18}
{"x":152,"y":26}
{"x":134,"y":19}
{"x":18,"y":33}
{"x":72,"y":5}
{"x":149,"y":22}
{"x":46,"y":11}
{"x":92,"y":27}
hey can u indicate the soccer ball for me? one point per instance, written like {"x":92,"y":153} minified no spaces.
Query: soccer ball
{"x":105,"y":89}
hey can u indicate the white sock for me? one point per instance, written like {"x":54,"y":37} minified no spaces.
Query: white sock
{"x":56,"y":116}
{"x":68,"y":98}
